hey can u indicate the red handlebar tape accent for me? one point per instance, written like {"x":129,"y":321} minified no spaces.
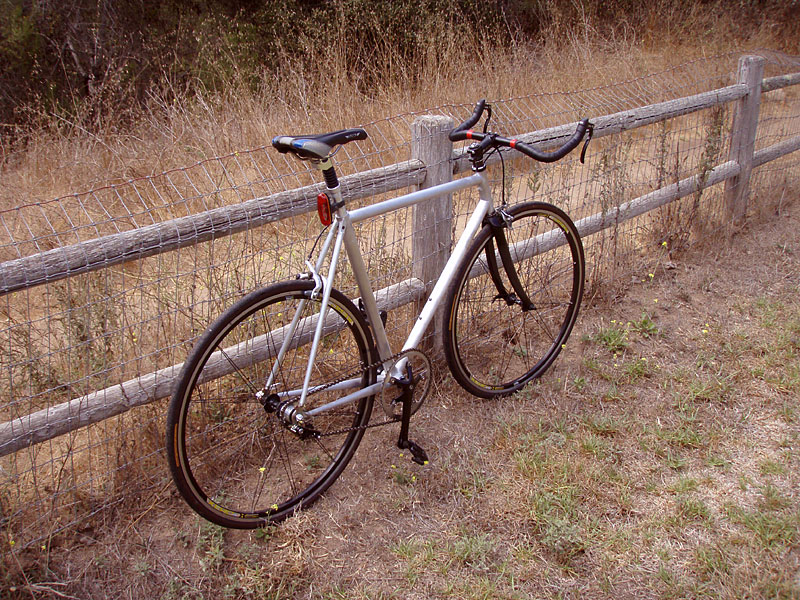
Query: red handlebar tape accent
{"x":469,"y":134}
{"x":513,"y":143}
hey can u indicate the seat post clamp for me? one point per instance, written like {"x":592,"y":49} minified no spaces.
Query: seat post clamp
{"x":323,"y":165}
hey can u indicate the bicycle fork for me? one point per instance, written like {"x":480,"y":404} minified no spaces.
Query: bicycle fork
{"x":498,"y":222}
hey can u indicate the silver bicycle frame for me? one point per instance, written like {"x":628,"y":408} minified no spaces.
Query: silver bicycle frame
{"x":345,"y":235}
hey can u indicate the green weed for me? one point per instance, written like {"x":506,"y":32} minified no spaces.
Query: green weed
{"x":691,"y":509}
{"x":674,"y":461}
{"x":595,"y":446}
{"x":210,"y":541}
{"x":771,"y":467}
{"x":613,"y":338}
{"x":773,"y":529}
{"x":601,"y":424}
{"x":473,"y":549}
{"x":645,"y":326}
{"x":715,"y":389}
{"x":712,"y":560}
{"x":684,"y":485}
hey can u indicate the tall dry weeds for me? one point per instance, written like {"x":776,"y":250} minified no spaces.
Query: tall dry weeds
{"x":179,"y":125}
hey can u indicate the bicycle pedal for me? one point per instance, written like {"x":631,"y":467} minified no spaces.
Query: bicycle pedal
{"x":418,"y":455}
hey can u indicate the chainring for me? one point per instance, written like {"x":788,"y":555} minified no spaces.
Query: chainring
{"x":391,"y":392}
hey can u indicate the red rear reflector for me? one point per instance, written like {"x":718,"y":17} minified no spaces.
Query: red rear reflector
{"x":324,"y":209}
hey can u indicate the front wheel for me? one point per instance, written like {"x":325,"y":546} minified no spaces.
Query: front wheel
{"x":494,"y":347}
{"x":235,"y":456}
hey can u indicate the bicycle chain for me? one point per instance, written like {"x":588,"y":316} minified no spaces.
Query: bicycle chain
{"x":361,"y":371}
{"x":368,"y":426}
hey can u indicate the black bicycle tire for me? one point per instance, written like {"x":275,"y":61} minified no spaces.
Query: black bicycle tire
{"x":180,"y":468}
{"x":456,"y":300}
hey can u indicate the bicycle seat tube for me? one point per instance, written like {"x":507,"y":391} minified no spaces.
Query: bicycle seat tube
{"x":354,"y":256}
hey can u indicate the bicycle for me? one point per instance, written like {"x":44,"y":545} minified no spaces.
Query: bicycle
{"x":276,"y":395}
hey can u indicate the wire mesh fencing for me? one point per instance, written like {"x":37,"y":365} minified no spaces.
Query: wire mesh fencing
{"x":106,"y":291}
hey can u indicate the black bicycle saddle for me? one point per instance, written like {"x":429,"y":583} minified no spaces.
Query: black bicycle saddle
{"x":316,"y":147}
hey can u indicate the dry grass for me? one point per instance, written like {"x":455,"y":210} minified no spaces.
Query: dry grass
{"x":657,"y":459}
{"x":178,"y":130}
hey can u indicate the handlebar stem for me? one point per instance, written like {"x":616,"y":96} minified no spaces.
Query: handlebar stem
{"x":476,"y":152}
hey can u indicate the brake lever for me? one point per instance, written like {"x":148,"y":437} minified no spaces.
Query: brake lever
{"x":589,"y":133}
{"x":488,"y":118}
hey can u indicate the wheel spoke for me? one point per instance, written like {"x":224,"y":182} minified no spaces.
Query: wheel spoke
{"x":238,"y":371}
{"x":241,"y":454}
{"x":527,"y":341}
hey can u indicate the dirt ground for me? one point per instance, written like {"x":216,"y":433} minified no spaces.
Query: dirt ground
{"x":657,"y":459}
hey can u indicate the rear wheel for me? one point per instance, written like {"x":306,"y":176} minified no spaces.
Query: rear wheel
{"x":235,"y":453}
{"x":494,"y":348}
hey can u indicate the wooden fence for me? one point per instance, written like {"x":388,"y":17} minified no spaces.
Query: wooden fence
{"x":433,"y":161}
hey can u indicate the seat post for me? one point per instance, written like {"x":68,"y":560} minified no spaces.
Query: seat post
{"x":328,"y":172}
{"x":332,"y":183}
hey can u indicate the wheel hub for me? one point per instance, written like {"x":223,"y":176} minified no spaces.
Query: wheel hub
{"x":291,"y":417}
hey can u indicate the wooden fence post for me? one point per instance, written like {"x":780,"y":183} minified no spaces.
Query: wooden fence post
{"x":743,"y":137}
{"x":432,"y":220}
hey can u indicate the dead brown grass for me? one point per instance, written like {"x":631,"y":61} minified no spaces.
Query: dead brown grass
{"x":666,"y":469}
{"x":659,"y":458}
{"x":176,"y":130}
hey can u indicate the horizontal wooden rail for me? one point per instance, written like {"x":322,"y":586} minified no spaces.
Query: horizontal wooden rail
{"x":653,"y":200}
{"x":781,"y":81}
{"x":150,"y":240}
{"x":554,"y":137}
{"x":770,"y":153}
{"x":603,"y":220}
{"x":49,"y":423}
